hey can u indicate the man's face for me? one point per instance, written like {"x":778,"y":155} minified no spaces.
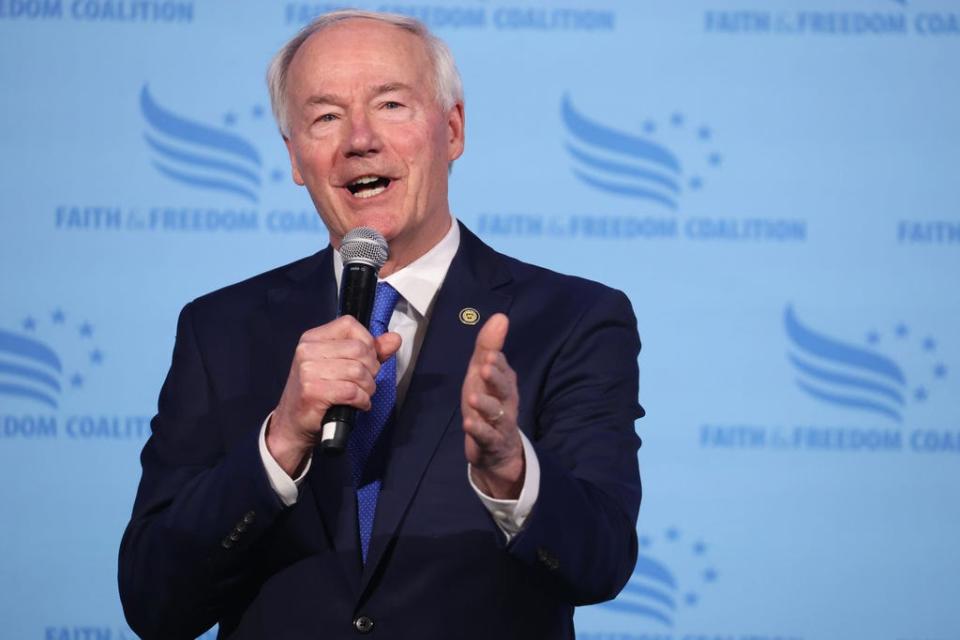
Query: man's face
{"x":367,"y":136}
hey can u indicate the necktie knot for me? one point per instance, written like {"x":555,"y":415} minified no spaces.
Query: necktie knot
{"x":384,"y":301}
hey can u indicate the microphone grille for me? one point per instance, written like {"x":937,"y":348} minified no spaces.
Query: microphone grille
{"x":364,"y":245}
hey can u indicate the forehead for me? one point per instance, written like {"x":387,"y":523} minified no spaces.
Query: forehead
{"x":356,"y":51}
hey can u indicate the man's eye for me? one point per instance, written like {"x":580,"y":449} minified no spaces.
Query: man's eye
{"x":327,"y":117}
{"x":391,"y":105}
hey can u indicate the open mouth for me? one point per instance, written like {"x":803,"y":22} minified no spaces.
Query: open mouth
{"x":368,"y":186}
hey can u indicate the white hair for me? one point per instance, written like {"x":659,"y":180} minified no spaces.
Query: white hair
{"x":446,"y":80}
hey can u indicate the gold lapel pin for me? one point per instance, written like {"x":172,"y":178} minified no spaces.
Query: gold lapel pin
{"x":469,"y":316}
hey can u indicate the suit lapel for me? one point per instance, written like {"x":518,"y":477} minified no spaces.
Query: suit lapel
{"x":433,"y":398}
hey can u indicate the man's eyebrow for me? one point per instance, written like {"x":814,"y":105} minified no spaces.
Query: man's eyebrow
{"x":323,"y":98}
{"x":380,"y":89}
{"x":389,"y":87}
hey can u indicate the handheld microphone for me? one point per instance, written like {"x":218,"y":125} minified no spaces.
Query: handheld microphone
{"x":364,"y":251}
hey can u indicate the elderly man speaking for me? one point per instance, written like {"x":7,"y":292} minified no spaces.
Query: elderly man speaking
{"x":490,"y":483}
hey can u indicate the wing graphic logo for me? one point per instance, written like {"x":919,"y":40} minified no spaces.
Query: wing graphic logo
{"x":33,"y":371}
{"x":198,"y":155}
{"x":628,"y":164}
{"x":844,"y":374}
{"x":29,"y":369}
{"x":653,"y":591}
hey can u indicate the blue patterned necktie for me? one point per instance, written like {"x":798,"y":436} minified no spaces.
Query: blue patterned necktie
{"x":370,"y":424}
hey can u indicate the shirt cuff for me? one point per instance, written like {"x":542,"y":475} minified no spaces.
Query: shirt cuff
{"x":286,"y":488}
{"x":511,"y":514}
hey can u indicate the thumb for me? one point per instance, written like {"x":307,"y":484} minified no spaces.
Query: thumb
{"x":387,"y":345}
{"x":493,"y":333}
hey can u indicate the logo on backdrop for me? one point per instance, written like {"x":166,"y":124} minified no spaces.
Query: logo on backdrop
{"x":648,"y":177}
{"x":867,"y":18}
{"x":860,"y":377}
{"x":47,"y":365}
{"x":113,"y":11}
{"x":32,"y":370}
{"x":876,"y":390}
{"x":216,"y":175}
{"x":103,"y":632}
{"x":674,"y":578}
{"x":927,"y":232}
{"x":198,"y":155}
{"x":672,"y":574}
{"x":546,"y":18}
{"x":634,"y":165}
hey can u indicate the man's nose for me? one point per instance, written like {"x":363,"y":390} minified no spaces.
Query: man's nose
{"x":362,"y":138}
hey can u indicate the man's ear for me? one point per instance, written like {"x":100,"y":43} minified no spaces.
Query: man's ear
{"x":455,"y":131}
{"x":294,"y":168}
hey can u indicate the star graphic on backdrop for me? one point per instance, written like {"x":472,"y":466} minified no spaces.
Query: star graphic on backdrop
{"x":672,"y":533}
{"x":691,"y":599}
{"x":699,"y":548}
{"x":86,"y":330}
{"x":715,"y":159}
{"x":96,"y":356}
{"x":29,"y":324}
{"x":710,"y":575}
{"x":902,"y":330}
{"x":649,"y":126}
{"x":58,"y":316}
{"x":929,"y":344}
{"x":696,"y":182}
{"x":920,"y":394}
{"x":873,"y":337}
{"x":676,"y":119}
{"x":256,"y":111}
{"x":940,"y":370}
{"x":76,"y":380}
{"x":229,"y":118}
{"x":704,"y":133}
{"x":644,"y":541}
{"x":276,"y":175}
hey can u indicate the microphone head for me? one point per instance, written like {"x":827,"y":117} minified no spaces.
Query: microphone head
{"x":364,"y":245}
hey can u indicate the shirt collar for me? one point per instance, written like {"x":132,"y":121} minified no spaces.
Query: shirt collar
{"x":419,"y":281}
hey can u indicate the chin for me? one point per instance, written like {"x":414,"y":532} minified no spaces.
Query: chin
{"x":385,"y":223}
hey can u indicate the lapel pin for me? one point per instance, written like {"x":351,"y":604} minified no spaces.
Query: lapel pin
{"x":469,"y":316}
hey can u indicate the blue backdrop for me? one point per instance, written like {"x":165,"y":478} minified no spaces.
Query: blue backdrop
{"x":773,"y":183}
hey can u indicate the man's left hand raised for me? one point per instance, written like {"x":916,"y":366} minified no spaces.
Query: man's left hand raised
{"x":489,"y":404}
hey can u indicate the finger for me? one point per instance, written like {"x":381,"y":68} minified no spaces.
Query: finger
{"x":387,"y":345}
{"x":493,"y":334}
{"x":347,"y":349}
{"x":488,"y":408}
{"x":333,"y":392}
{"x":482,"y":433}
{"x":341,"y":370}
{"x":497,"y":359}
{"x":496,"y":382}
{"x":343,"y":327}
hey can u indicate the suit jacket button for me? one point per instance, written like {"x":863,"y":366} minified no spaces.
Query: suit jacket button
{"x":249,"y":517}
{"x":363,"y":624}
{"x":549,"y":560}
{"x":226,"y":543}
{"x":234,"y":535}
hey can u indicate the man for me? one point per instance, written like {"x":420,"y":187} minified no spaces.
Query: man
{"x":491,"y":482}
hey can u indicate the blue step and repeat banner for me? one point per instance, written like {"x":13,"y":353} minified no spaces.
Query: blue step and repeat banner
{"x":774,"y":183}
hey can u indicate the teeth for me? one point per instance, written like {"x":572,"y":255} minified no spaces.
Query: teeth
{"x":368,"y":186}
{"x":369,"y":193}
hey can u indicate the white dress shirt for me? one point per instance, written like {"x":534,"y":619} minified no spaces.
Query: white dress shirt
{"x":418,"y":284}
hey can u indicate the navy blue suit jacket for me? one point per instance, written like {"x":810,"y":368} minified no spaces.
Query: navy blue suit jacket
{"x":209,"y":541}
